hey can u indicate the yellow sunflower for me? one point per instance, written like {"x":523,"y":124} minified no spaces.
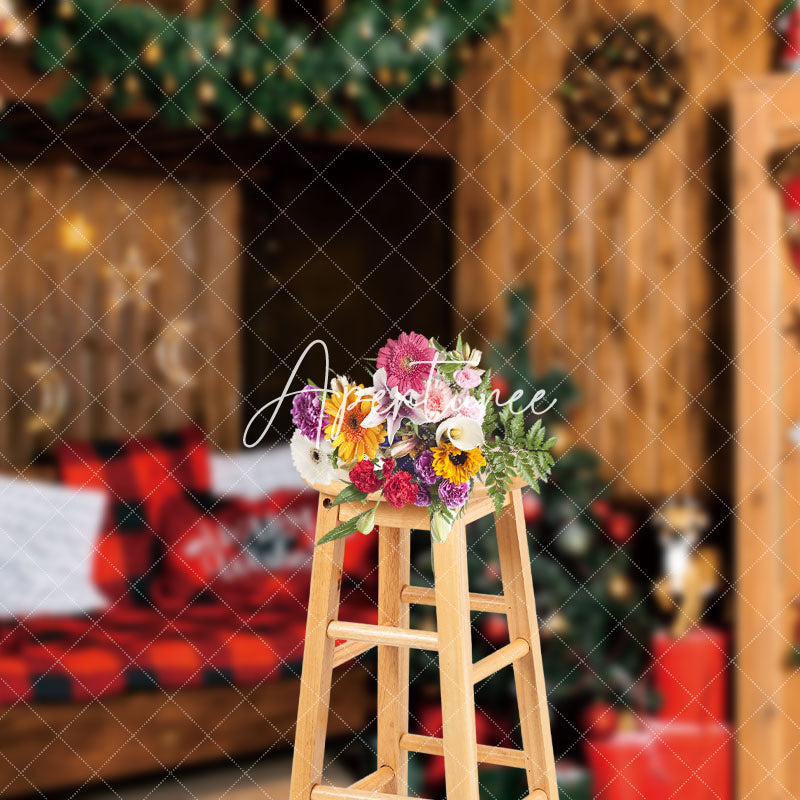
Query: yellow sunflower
{"x":347,"y":410}
{"x":457,"y":466}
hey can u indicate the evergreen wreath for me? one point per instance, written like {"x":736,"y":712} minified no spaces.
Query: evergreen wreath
{"x":252,"y":70}
{"x":622,"y":84}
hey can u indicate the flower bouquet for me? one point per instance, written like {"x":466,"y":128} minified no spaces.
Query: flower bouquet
{"x":427,"y":430}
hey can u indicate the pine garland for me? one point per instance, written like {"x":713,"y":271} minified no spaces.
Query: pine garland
{"x":254,"y":71}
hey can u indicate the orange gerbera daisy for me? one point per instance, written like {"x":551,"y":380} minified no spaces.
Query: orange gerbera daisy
{"x":347,"y":410}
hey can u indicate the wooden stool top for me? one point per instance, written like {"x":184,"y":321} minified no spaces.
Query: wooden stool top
{"x":479,"y":505}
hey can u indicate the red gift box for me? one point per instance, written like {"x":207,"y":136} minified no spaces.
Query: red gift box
{"x":691,"y":675}
{"x":662,"y":761}
{"x":619,"y":765}
{"x":691,"y":761}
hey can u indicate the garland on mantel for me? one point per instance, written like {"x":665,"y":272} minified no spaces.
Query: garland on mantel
{"x":255,"y":71}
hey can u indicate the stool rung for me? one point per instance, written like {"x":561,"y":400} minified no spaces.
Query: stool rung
{"x":375,"y":781}
{"x":349,"y":650}
{"x":494,"y":662}
{"x":487,"y":754}
{"x":320,"y":792}
{"x":419,"y":595}
{"x":383,"y":634}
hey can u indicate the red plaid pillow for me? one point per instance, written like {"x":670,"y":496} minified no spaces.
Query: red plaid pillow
{"x":240,"y":552}
{"x":141,"y":476}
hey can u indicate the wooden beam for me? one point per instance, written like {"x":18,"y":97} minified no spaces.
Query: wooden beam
{"x":487,"y":754}
{"x":509,"y":654}
{"x":375,"y":781}
{"x":382,"y":634}
{"x":347,"y":651}
{"x":419,"y":595}
{"x":334,"y":793}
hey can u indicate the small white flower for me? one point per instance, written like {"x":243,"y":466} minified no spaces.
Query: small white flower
{"x":312,"y":462}
{"x":460,"y":431}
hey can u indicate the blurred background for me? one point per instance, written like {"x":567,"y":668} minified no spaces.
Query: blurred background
{"x":600,"y":196}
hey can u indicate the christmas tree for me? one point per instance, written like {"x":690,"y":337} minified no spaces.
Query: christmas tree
{"x":592,"y":600}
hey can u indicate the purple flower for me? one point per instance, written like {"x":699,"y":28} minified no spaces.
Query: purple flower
{"x":423,"y":466}
{"x":423,"y":497}
{"x":306,"y":412}
{"x":454,"y":495}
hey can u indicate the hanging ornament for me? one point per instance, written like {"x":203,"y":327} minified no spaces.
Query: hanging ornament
{"x":564,"y":434}
{"x":620,"y":526}
{"x":76,"y":234}
{"x":65,"y":9}
{"x":11,"y":28}
{"x":131,"y":282}
{"x":787,"y":24}
{"x":532,"y":507}
{"x":501,"y":386}
{"x":296,"y":112}
{"x":168,"y":353}
{"x":575,"y":539}
{"x":555,"y":625}
{"x":131,"y":84}
{"x":599,"y":720}
{"x":206,"y":92}
{"x":257,"y":123}
{"x":492,"y":571}
{"x":247,"y":77}
{"x":600,"y":509}
{"x":152,"y":54}
{"x":495,"y":629}
{"x":223,"y":45}
{"x":620,"y":588}
{"x":53,"y":396}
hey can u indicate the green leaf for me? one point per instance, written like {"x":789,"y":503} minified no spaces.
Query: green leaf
{"x":441,"y":525}
{"x":348,"y":495}
{"x":344,"y":528}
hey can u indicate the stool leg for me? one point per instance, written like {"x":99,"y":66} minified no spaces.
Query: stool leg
{"x":315,"y":685}
{"x":394,"y":570}
{"x":515,"y":568}
{"x":455,"y":665}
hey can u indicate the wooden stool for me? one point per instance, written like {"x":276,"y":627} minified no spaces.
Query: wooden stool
{"x":393,"y":638}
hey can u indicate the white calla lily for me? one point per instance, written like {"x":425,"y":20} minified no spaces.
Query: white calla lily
{"x":462,"y":432}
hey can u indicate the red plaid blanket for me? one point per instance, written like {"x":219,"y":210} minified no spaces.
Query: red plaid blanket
{"x":131,"y":648}
{"x":201,"y":591}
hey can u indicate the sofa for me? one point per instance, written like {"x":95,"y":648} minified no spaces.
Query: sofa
{"x":179,"y":640}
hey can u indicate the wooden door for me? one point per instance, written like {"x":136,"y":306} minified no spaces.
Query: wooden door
{"x":767,"y":509}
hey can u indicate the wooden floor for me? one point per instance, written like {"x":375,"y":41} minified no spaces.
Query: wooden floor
{"x":267,"y":780}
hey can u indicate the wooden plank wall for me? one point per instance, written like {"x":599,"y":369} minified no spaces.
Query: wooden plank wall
{"x":137,"y":327}
{"x":624,"y":254}
{"x":767,"y":117}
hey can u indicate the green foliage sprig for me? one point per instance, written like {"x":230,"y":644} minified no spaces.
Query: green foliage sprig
{"x":256,"y":71}
{"x":512,"y":450}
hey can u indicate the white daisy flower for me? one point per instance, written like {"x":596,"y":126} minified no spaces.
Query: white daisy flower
{"x":312,"y":462}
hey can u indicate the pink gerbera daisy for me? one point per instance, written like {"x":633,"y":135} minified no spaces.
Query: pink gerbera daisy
{"x":408,"y":362}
